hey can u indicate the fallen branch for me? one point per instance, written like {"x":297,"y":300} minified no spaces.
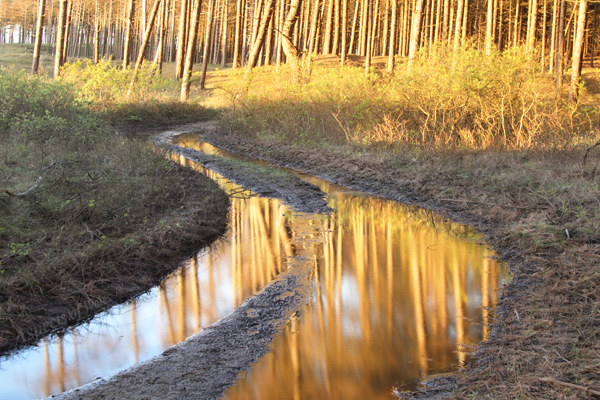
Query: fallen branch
{"x":588,"y":254}
{"x":571,"y":385}
{"x":35,"y":185}
{"x":585,"y":156}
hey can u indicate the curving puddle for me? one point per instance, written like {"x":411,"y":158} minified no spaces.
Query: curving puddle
{"x":399,"y":293}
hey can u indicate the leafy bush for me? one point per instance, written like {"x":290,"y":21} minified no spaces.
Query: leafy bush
{"x":463,"y":99}
{"x":103,"y":85}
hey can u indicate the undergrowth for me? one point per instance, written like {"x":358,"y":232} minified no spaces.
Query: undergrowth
{"x":86,"y":214}
{"x":463,"y":100}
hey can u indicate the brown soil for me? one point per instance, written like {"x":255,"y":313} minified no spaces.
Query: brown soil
{"x":539,"y":211}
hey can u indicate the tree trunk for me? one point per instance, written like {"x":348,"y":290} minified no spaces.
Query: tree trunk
{"x":67,"y":31}
{"x":207,"y":41}
{"x":189,"y":54}
{"x":489,"y":22}
{"x":560,"y":46}
{"x":392,"y":48}
{"x":181,"y":40}
{"x":328,"y":28}
{"x":260,"y":36}
{"x":415,"y":31}
{"x":224,"y":33}
{"x":146,"y":38}
{"x":289,"y":49}
{"x":38,"y":37}
{"x":128,"y":33}
{"x":344,"y":48}
{"x":578,"y":52}
{"x":60,"y":32}
{"x":237,"y":34}
{"x":532,"y":26}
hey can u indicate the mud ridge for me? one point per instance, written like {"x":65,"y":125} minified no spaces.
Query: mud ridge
{"x":301,"y":195}
{"x":206,"y":364}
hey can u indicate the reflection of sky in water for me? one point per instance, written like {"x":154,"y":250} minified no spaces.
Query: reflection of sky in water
{"x":396,"y":292}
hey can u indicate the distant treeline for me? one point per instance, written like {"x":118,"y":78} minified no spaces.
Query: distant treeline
{"x":259,"y":32}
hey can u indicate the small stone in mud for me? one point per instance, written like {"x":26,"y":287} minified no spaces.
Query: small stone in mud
{"x":284,"y":295}
{"x":252,"y":313}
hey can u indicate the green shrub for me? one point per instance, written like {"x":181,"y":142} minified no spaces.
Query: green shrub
{"x":465,"y":99}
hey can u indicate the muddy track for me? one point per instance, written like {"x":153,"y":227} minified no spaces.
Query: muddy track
{"x":206,"y":364}
{"x":302,"y":195}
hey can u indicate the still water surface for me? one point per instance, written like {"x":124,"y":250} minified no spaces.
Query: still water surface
{"x":398,"y":294}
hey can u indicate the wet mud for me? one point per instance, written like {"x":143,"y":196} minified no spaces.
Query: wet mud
{"x":302,"y":195}
{"x":206,"y":364}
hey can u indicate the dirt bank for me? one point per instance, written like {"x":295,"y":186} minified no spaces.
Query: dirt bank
{"x":544,"y":343}
{"x":267,"y":182}
{"x":64,"y":279}
{"x":206,"y":364}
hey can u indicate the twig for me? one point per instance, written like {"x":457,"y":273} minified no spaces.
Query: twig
{"x":486,"y":204}
{"x":35,"y":185}
{"x":587,"y":151}
{"x":571,"y":385}
{"x":588,"y":254}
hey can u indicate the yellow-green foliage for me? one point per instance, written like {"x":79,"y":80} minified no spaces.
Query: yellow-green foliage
{"x":103,"y":84}
{"x":467,"y":99}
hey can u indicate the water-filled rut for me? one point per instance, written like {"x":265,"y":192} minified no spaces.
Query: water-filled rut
{"x":396,"y":293}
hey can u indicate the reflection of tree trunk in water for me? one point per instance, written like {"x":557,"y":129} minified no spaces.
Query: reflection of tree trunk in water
{"x":196,"y":292}
{"x":134,"y":335}
{"x":390,"y":280}
{"x":459,"y":307}
{"x":485,"y":298}
{"x":181,"y":297}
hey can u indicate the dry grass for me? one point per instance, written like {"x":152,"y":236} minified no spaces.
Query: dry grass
{"x":88,"y":217}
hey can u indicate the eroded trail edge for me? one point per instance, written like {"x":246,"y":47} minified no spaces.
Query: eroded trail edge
{"x":206,"y":364}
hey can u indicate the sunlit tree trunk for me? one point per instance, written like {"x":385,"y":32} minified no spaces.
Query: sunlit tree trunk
{"x":189,"y":54}
{"x":489,"y":23}
{"x":67,"y":31}
{"x":553,"y":36}
{"x":532,"y":25}
{"x":159,"y":56}
{"x":336,"y":28}
{"x":128,"y":33}
{"x":96,"y":36}
{"x":207,"y":42}
{"x":328,"y":28}
{"x":145,"y":39}
{"x":344,"y":46}
{"x":289,"y":49}
{"x":260,"y":35}
{"x":38,"y":37}
{"x":181,"y":39}
{"x":60,"y":32}
{"x":238,"y":33}
{"x":578,"y":52}
{"x":353,"y":28}
{"x":224,"y":24}
{"x":415,"y":31}
{"x":392,"y":48}
{"x":560,"y":46}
